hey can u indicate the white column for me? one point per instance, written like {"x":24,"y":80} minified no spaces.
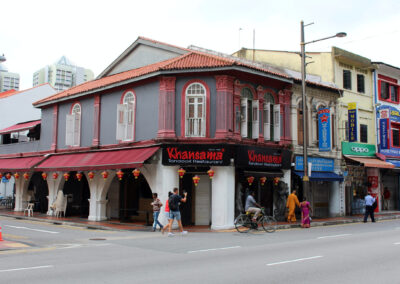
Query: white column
{"x":223,"y":198}
{"x":334,"y":199}
{"x":21,"y":186}
{"x":286,"y":179}
{"x":98,"y":187}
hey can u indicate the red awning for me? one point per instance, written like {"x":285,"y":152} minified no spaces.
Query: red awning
{"x":115,"y":159}
{"x":19,"y":164}
{"x":20,"y":127}
{"x":372,"y":162}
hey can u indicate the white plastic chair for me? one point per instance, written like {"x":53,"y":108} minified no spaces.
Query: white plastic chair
{"x":60,"y":210}
{"x":29,"y":209}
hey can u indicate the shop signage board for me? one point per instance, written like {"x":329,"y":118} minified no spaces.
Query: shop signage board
{"x":383,"y":131}
{"x":196,"y":155}
{"x":352,"y":121}
{"x":324,"y":129}
{"x":358,"y":149}
{"x":257,"y":157}
{"x":317,"y":164}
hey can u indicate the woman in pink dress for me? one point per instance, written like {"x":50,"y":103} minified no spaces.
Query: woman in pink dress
{"x":305,"y":213}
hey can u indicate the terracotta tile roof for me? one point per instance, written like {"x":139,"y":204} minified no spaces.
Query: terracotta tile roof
{"x":191,"y":60}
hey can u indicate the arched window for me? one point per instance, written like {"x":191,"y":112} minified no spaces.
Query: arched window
{"x":73,"y":126}
{"x":195,"y":110}
{"x":126,"y":117}
{"x":249,"y":114}
{"x":271,"y":117}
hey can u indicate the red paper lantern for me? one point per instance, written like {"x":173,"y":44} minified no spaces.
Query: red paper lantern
{"x":1,"y":175}
{"x":120,"y":174}
{"x":196,"y":180}
{"x":44,"y":176}
{"x":79,"y":176}
{"x":181,"y":172}
{"x":8,"y":175}
{"x":276,"y":180}
{"x":210,"y":173}
{"x":66,"y":176}
{"x":26,"y":176}
{"x":16,"y":175}
{"x":250,"y":180}
{"x":55,"y":175}
{"x":136,"y":173}
{"x":263,"y":180}
{"x":90,"y":175}
{"x":104,"y":175}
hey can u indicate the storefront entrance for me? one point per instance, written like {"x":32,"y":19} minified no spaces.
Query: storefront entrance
{"x":78,"y":195}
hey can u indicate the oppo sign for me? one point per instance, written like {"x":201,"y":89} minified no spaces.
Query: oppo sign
{"x":359,"y":149}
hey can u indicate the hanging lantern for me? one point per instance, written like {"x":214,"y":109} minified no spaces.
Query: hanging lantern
{"x":276,"y":180}
{"x":1,"y":175}
{"x":250,"y":180}
{"x":196,"y":180}
{"x":26,"y":176}
{"x":8,"y":175}
{"x":66,"y":176}
{"x":55,"y":175}
{"x":44,"y":176}
{"x":79,"y":176}
{"x":136,"y":173}
{"x":16,"y":175}
{"x":263,"y":180}
{"x":120,"y":174}
{"x":181,"y":172}
{"x":105,"y":175}
{"x":210,"y":173}
{"x":90,"y":175}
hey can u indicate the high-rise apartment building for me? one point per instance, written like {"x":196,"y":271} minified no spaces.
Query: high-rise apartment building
{"x":62,"y":75}
{"x":8,"y":80}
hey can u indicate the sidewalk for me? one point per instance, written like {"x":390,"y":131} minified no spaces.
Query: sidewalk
{"x":137,"y":226}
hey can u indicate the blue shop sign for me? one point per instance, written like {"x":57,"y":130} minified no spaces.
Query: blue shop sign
{"x":324,"y":129}
{"x":386,"y":115}
{"x":317,"y":164}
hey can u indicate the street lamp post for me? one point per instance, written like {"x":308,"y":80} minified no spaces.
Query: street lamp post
{"x":306,"y":180}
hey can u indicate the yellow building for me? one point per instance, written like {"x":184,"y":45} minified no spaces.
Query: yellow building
{"x":346,"y":70}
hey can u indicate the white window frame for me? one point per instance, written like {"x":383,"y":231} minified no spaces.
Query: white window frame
{"x":126,"y":117}
{"x":195,"y":126}
{"x":73,"y":126}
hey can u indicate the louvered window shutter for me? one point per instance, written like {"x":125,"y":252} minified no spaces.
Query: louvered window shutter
{"x":130,"y":121}
{"x":69,"y":130}
{"x":267,"y":121}
{"x":243,"y":117}
{"x":277,"y":122}
{"x":121,"y":124}
{"x":255,"y":120}
{"x":77,"y":129}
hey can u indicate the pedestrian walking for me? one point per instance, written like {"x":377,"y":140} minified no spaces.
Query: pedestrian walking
{"x":369,"y":207}
{"x":291,"y":204}
{"x":386,"y":198}
{"x":166,"y":212}
{"x":305,"y":213}
{"x":173,"y":202}
{"x":156,"y":211}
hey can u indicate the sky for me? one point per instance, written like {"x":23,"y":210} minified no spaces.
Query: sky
{"x":92,"y":34}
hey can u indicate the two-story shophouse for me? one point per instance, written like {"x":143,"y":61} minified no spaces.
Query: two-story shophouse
{"x":386,"y":99}
{"x":355,"y":116}
{"x":161,"y":117}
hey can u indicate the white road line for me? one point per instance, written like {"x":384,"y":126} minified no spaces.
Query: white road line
{"x":212,"y":249}
{"x":294,"y":260}
{"x":396,"y":243}
{"x":30,"y":229}
{"x":334,"y":236}
{"x":27,"y":268}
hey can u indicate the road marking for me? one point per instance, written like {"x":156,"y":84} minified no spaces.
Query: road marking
{"x":212,"y":249}
{"x":27,"y":268}
{"x":334,"y":236}
{"x":396,"y":243}
{"x":294,"y":260}
{"x":26,"y":250}
{"x":30,"y":229}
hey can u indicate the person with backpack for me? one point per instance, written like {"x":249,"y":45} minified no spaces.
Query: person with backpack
{"x":370,"y":205}
{"x":174,"y":213}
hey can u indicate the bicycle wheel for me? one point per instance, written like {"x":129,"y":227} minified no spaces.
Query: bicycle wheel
{"x":242,"y":223}
{"x":269,"y":224}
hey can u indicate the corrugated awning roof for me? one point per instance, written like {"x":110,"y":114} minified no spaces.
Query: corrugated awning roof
{"x":20,"y":127}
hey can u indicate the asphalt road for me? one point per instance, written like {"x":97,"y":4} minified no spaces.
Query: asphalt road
{"x":354,"y":253}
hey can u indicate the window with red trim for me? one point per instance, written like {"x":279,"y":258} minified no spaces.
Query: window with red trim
{"x":388,"y":92}
{"x":126,"y":117}
{"x":395,"y":134}
{"x":195,"y":110}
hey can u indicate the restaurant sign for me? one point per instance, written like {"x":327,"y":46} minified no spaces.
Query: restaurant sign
{"x":250,"y":157}
{"x":196,"y":155}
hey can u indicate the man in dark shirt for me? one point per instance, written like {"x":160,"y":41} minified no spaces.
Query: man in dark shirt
{"x":174,"y":213}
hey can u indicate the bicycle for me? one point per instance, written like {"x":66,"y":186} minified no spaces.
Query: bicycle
{"x":244,"y":222}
